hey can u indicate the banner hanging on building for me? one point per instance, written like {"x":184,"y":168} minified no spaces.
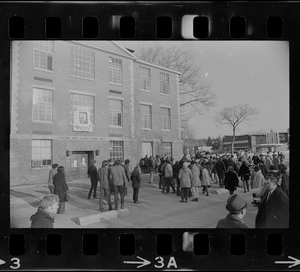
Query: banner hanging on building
{"x":82,"y":118}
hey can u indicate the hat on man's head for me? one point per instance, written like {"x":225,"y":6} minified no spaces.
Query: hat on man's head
{"x":235,"y":203}
{"x":273,"y":169}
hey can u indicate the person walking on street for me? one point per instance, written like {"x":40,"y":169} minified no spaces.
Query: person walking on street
{"x":237,"y":208}
{"x":195,"y":180}
{"x":44,"y":217}
{"x":168,"y":176}
{"x":61,"y":188}
{"x":150,"y":169}
{"x":245,"y":176}
{"x":136,"y":183}
{"x":185,"y":176}
{"x":119,"y":180}
{"x":231,"y":180}
{"x":103,"y":175}
{"x":273,"y":211}
{"x":220,"y":168}
{"x":93,"y":175}
{"x":52,"y":172}
{"x":206,"y":179}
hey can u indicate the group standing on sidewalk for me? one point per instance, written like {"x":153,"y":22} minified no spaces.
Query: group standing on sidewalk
{"x":266,"y":176}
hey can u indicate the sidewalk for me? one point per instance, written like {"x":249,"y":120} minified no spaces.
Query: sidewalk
{"x":24,"y":201}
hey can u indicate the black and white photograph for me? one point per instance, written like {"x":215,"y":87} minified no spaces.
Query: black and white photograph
{"x":149,"y":134}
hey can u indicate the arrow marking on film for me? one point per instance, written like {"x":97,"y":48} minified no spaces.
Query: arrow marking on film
{"x":141,"y":264}
{"x":2,"y":262}
{"x":294,"y":262}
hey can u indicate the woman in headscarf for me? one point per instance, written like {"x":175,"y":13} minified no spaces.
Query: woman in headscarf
{"x":61,"y":188}
{"x":136,"y":183}
{"x":185,"y":176}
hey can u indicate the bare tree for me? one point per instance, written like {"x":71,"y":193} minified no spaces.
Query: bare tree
{"x":195,"y":94}
{"x":233,"y":116}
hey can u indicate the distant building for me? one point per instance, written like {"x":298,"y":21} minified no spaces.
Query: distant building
{"x":256,"y":142}
{"x":77,"y":101}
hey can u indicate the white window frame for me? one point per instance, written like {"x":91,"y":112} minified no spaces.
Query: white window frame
{"x":43,"y":49}
{"x":40,"y":157}
{"x":112,"y":152}
{"x":145,"y":78}
{"x":164,"y":79}
{"x":84,"y":59}
{"x":164,"y":117}
{"x":115,"y":72}
{"x":93,"y":115}
{"x":146,"y":116}
{"x":112,"y":111}
{"x":45,"y":103}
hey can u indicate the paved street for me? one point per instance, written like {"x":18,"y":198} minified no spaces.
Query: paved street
{"x":155,"y":209}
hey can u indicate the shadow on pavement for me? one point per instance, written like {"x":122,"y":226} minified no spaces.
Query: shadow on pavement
{"x":31,"y":199}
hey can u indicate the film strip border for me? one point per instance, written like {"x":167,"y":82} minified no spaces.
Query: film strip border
{"x":162,"y":249}
{"x":151,"y":20}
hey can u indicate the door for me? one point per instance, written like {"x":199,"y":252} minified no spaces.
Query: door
{"x":83,"y":167}
{"x":79,"y":165}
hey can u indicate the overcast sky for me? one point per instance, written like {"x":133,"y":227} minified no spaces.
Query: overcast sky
{"x":240,"y":72}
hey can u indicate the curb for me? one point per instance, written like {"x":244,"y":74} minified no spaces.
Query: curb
{"x":97,"y":217}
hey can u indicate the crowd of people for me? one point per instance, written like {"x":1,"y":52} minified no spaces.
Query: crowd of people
{"x":264,"y":175}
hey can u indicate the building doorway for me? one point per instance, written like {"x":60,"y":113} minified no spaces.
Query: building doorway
{"x":79,"y":164}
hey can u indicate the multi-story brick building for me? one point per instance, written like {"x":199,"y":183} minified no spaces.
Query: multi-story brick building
{"x":73,"y":102}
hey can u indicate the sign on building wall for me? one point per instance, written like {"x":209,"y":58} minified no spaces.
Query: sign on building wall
{"x":283,"y":137}
{"x":82,"y":118}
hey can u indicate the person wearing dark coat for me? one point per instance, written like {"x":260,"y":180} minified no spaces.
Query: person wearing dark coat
{"x":284,"y":178}
{"x":245,"y":176}
{"x":135,"y":177}
{"x":44,"y":217}
{"x":263,"y":168}
{"x":231,"y":180}
{"x":237,"y":211}
{"x":93,"y":175}
{"x":220,"y":168}
{"x":273,"y":211}
{"x":61,"y":188}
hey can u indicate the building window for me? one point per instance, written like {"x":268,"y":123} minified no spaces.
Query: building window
{"x":147,"y":149}
{"x":84,"y":101}
{"x":166,"y":118}
{"x":117,"y":150}
{"x":145,"y":78}
{"x":42,"y":105}
{"x":41,"y":153}
{"x":167,"y":149}
{"x":164,"y":83}
{"x":116,"y":112}
{"x":146,"y":116}
{"x":115,"y":70}
{"x":43,"y":55}
{"x":82,"y":62}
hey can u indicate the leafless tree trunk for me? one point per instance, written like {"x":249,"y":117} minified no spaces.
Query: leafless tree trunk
{"x":235,"y":115}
